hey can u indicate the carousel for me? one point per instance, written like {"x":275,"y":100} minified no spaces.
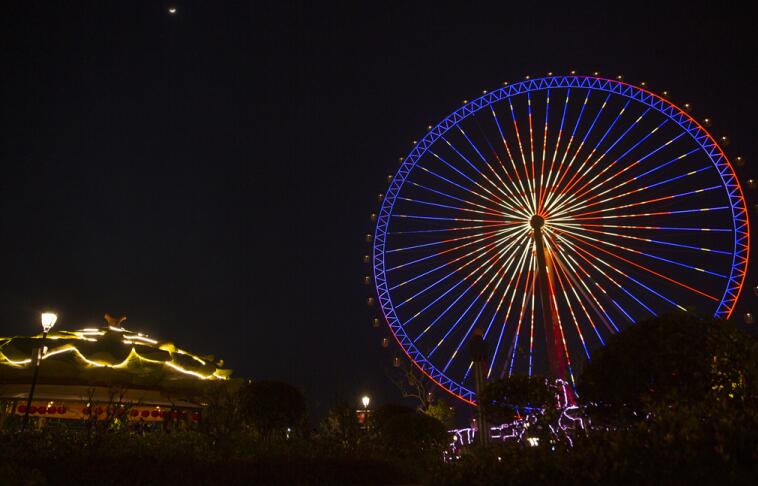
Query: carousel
{"x":108,"y":373}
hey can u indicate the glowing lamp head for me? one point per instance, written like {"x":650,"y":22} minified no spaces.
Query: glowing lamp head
{"x":48,"y":320}
{"x":365,"y":401}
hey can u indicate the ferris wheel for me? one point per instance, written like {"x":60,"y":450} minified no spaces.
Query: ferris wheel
{"x":548,"y":215}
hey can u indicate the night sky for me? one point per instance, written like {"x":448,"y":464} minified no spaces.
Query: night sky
{"x":211,"y":174}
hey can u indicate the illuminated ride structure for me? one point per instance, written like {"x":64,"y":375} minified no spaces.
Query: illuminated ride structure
{"x":550,"y":214}
{"x":105,"y":373}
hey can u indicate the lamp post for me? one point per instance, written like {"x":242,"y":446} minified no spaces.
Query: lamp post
{"x":362,"y":414}
{"x":48,"y":321}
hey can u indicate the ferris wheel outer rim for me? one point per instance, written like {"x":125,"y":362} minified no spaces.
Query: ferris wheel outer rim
{"x":712,"y":149}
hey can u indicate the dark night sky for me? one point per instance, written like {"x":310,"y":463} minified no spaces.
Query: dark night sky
{"x":210,"y":174}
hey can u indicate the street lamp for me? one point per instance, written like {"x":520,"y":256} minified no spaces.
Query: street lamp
{"x":48,"y":321}
{"x":365,"y":401}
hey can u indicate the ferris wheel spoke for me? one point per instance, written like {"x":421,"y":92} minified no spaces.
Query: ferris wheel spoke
{"x":455,"y":198}
{"x":541,"y":186}
{"x":531,"y":148}
{"x":641,"y":215}
{"x":571,"y":311}
{"x":626,"y":168}
{"x":586,"y":203}
{"x":484,"y":176}
{"x":664,"y":228}
{"x":455,"y":228}
{"x":649,"y":255}
{"x":492,"y":247}
{"x":620,"y":158}
{"x":456,"y":248}
{"x":497,"y":199}
{"x":529,"y":183}
{"x":591,"y":263}
{"x":632,"y":192}
{"x":490,"y":264}
{"x":518,"y":270}
{"x":628,"y":277}
{"x":559,"y":172}
{"x":558,"y":320}
{"x":576,"y":269}
{"x":581,"y":146}
{"x":444,"y":294}
{"x":604,"y":154}
{"x":524,"y":296}
{"x":555,"y":150}
{"x":514,"y":287}
{"x":502,"y":187}
{"x":476,"y":319}
{"x":581,"y":171}
{"x":531,"y":323}
{"x":648,"y":201}
{"x":574,"y":285}
{"x":584,"y":239}
{"x":447,"y":206}
{"x":648,"y":240}
{"x":447,"y":240}
{"x":510,"y":158}
{"x":459,"y":186}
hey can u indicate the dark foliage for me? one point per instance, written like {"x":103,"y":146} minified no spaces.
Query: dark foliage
{"x":504,"y":399}
{"x":272,"y":407}
{"x":674,"y":359}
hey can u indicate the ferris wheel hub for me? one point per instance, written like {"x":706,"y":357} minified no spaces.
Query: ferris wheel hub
{"x":537,"y":221}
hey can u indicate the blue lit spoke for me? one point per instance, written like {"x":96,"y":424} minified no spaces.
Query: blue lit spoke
{"x":638,"y":252}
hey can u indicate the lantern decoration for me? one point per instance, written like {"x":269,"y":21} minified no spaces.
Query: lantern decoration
{"x":145,"y":413}
{"x":21,"y":408}
{"x":134,"y":412}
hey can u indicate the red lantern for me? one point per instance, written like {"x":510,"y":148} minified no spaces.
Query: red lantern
{"x":165,"y":414}
{"x":61,"y":410}
{"x":32,"y":409}
{"x":41,"y":410}
{"x":155,"y":413}
{"x":21,"y":408}
{"x":134,"y":412}
{"x":100,"y":410}
{"x":51,"y":410}
{"x":196,"y":416}
{"x":146,"y":413}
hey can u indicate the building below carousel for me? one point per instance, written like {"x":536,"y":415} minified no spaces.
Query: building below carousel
{"x":107,"y":375}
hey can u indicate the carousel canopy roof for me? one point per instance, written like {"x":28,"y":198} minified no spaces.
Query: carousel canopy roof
{"x":110,"y":354}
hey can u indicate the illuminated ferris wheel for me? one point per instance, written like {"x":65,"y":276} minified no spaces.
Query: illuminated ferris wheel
{"x":550,"y":214}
